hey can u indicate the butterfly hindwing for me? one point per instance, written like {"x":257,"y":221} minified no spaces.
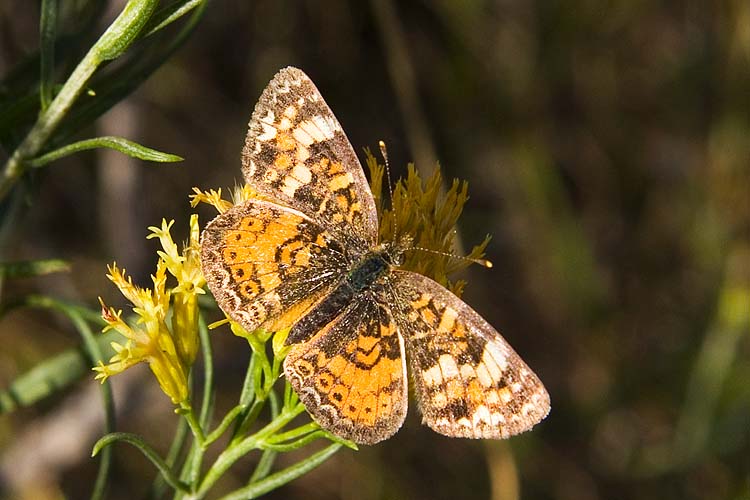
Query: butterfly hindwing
{"x":296,"y":152}
{"x":351,"y":376}
{"x":469,"y":381}
{"x":267,"y":264}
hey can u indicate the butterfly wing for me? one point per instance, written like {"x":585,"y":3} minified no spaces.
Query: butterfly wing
{"x":351,"y":376}
{"x":469,"y":381}
{"x":297,"y":153}
{"x":267,"y":264}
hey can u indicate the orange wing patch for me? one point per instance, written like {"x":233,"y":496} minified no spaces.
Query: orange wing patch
{"x":255,"y":256}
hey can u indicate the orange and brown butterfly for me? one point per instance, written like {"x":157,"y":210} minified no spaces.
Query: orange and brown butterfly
{"x":305,"y":255}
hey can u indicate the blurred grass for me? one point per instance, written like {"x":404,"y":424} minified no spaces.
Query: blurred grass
{"x":607,"y":150}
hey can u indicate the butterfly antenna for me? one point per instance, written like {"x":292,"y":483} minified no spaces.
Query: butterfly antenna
{"x":482,"y":262}
{"x":384,"y":154}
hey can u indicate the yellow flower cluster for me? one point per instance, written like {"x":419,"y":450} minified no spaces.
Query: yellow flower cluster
{"x":167,"y":340}
{"x":429,"y":217}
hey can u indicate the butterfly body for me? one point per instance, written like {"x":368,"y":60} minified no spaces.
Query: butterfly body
{"x":306,"y":256}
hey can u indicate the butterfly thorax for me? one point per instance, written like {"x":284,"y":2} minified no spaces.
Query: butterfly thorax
{"x":371,"y":268}
{"x":377,"y":263}
{"x":365,"y":273}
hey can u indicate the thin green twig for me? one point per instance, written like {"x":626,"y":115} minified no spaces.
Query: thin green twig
{"x":120,"y":34}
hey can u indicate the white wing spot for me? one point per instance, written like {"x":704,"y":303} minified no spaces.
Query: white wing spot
{"x":484,"y":375}
{"x":290,"y":112}
{"x":285,"y":124}
{"x":448,"y":366}
{"x":467,"y":372}
{"x":302,"y":153}
{"x":302,"y":136}
{"x":488,"y":361}
{"x":433,"y":376}
{"x":499,"y":353}
{"x":302,"y":173}
{"x":269,"y":131}
{"x":481,"y":414}
{"x":326,"y":125}
{"x":290,"y":186}
{"x":313,"y":130}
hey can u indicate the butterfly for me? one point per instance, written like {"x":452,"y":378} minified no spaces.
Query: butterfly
{"x":304,"y":255}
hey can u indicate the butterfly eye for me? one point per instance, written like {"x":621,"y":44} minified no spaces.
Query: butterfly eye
{"x":397,"y":258}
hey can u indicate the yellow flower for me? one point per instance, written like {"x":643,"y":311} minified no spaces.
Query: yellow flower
{"x":186,"y":267}
{"x":418,"y":209}
{"x":213,"y":197}
{"x":169,"y":351}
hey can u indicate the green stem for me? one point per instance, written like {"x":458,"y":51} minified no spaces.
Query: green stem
{"x":236,"y":451}
{"x":294,"y":433}
{"x":225,"y":423}
{"x":208,"y":374}
{"x":147,"y":451}
{"x":264,"y":465}
{"x":194,"y":423}
{"x":247,"y":394}
{"x":248,"y":420}
{"x":120,"y":34}
{"x":254,"y":490}
{"x":159,"y":485}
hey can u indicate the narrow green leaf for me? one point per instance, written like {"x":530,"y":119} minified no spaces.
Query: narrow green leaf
{"x":294,"y":433}
{"x":284,"y":476}
{"x":51,"y":376}
{"x":169,"y":14}
{"x":125,"y":29}
{"x":47,"y":35}
{"x":264,"y":466}
{"x":180,"y":434}
{"x":230,"y":417}
{"x":293,"y":445}
{"x":23,"y":269}
{"x":208,"y":374}
{"x":281,"y":441}
{"x":120,"y":144}
{"x":147,"y":451}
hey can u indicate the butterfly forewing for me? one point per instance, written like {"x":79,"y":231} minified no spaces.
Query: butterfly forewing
{"x":296,"y":152}
{"x":267,"y":264}
{"x":469,"y":381}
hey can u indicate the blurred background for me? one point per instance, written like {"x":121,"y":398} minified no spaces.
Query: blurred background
{"x":607,"y":150}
